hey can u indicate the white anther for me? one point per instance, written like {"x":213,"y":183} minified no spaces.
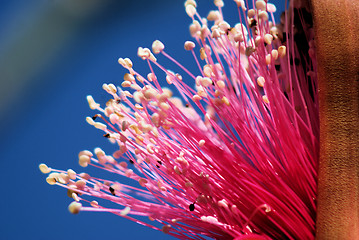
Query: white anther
{"x":75,"y":207}
{"x":271,"y":8}
{"x":207,"y":70}
{"x":268,"y":59}
{"x":274,"y":54}
{"x":224,"y":26}
{"x":91,"y":102}
{"x":128,"y":62}
{"x":99,"y":152}
{"x":126,"y":84}
{"x":151,"y":77}
{"x":213,"y":15}
{"x":157,"y":47}
{"x":218,"y":3}
{"x":142,"y":53}
{"x":71,"y":173}
{"x":206,"y":82}
{"x":164,"y":106}
{"x":260,"y":81}
{"x":138,"y":106}
{"x":105,"y":87}
{"x":268,"y":38}
{"x":75,"y":197}
{"x":265,"y":99}
{"x":191,"y":10}
{"x":201,"y":143}
{"x":94,"y":204}
{"x":85,"y":152}
{"x":100,"y":126}
{"x":261,"y":5}
{"x":240,"y":3}
{"x":203,"y":54}
{"x":112,"y":88}
{"x":195,"y":28}
{"x":129,"y":77}
{"x":44,"y":168}
{"x":263,"y":16}
{"x":215,"y":33}
{"x":150,"y":93}
{"x":151,"y":56}
{"x":189,"y":45}
{"x":52,"y":178}
{"x":221,"y":84}
{"x":282,"y":51}
{"x":138,"y":96}
{"x":223,"y":203}
{"x":122,"y":62}
{"x":251,"y":13}
{"x":63,"y":178}
{"x":225,"y":100}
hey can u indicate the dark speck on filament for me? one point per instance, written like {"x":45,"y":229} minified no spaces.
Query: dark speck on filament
{"x":191,"y":207}
{"x":112,"y":191}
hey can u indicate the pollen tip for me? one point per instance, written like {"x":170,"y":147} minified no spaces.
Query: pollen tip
{"x":75,"y":207}
{"x":191,"y":10}
{"x":44,"y":168}
{"x":189,"y":45}
{"x":157,"y":47}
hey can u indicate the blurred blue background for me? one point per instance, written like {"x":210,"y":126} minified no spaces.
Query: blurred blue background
{"x":52,"y":54}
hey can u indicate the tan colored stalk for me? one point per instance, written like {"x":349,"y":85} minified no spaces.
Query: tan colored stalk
{"x":336,"y":26}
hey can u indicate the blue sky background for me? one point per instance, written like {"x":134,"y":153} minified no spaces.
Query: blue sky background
{"x":52,"y":54}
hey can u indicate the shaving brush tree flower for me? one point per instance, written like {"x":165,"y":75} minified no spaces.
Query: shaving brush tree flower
{"x":236,"y":157}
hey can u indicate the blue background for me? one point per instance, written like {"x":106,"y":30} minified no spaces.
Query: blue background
{"x":52,"y":54}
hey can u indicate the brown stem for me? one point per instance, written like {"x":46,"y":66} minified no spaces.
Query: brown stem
{"x":336,"y":25}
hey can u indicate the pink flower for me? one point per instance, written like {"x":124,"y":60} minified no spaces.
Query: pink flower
{"x":234,"y":157}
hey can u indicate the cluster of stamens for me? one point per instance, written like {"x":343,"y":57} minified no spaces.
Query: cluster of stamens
{"x":225,"y":160}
